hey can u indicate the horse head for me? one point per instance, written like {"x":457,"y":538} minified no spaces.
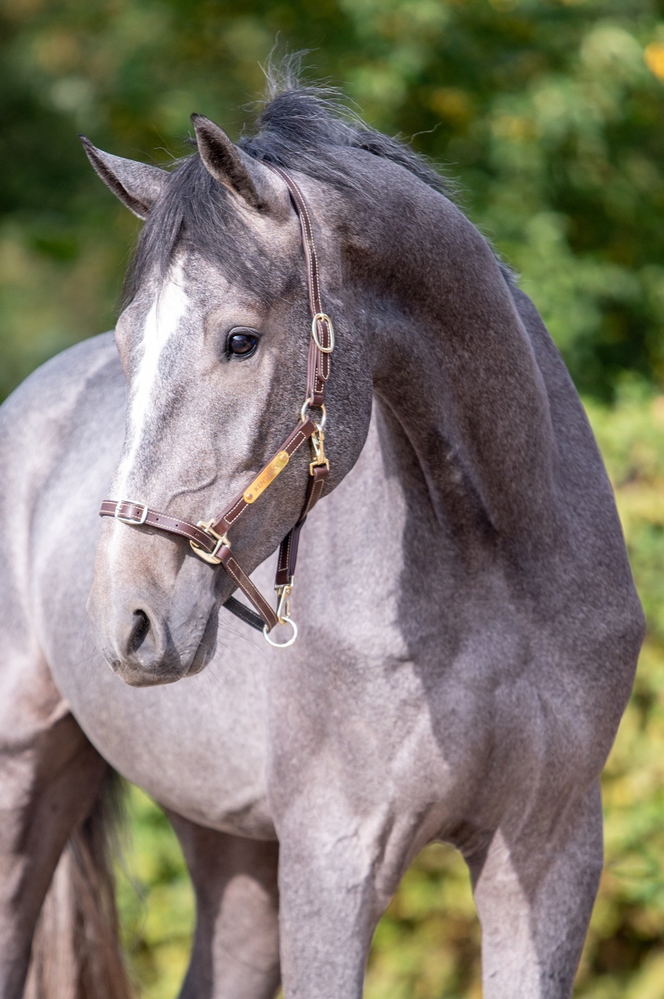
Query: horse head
{"x":214,"y":340}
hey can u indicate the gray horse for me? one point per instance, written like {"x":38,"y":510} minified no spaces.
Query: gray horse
{"x":468,"y":624}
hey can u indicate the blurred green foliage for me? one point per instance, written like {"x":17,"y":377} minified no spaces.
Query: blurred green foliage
{"x":550,"y":114}
{"x":548,"y":111}
{"x":155,"y":901}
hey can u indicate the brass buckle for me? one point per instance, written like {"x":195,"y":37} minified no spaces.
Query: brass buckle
{"x":322,"y":317}
{"x":222,"y":541}
{"x":131,"y":520}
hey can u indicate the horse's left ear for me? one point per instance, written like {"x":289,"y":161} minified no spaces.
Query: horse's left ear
{"x":137,"y":185}
{"x":223,"y":159}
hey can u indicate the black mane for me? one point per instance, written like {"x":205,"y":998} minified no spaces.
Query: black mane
{"x":303,"y":128}
{"x":306,"y":128}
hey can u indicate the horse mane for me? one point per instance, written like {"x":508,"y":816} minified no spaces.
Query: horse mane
{"x":299,"y":127}
{"x":307,"y":127}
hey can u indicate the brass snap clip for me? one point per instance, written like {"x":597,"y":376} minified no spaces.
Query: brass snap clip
{"x":222,"y":540}
{"x":318,"y":445}
{"x":283,"y":602}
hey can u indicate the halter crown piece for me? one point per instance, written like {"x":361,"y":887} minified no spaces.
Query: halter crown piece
{"x":209,"y":539}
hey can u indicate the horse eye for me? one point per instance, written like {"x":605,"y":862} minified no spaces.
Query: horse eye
{"x":242,"y":343}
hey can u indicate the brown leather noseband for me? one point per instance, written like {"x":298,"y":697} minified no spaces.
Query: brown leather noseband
{"x":209,"y":539}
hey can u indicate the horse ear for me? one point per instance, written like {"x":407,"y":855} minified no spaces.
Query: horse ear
{"x":137,"y":185}
{"x":224,"y":160}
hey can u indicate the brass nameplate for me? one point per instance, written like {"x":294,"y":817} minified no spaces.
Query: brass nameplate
{"x":268,"y":475}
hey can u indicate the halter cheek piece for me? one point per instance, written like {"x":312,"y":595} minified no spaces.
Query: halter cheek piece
{"x":209,"y":539}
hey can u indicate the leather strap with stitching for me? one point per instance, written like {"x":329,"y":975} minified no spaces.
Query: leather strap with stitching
{"x":138,"y":515}
{"x":288,"y":548}
{"x":318,"y":367}
{"x":297,"y":437}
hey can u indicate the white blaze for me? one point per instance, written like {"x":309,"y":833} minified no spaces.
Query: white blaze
{"x":161,"y":323}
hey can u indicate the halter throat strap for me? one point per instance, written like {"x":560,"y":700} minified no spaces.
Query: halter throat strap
{"x":209,"y":539}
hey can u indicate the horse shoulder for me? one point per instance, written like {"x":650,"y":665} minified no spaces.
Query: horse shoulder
{"x":40,"y":416}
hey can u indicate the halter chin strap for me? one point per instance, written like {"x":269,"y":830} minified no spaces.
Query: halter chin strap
{"x":209,"y":539}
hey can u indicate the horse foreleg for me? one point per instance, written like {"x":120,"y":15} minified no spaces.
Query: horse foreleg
{"x":337,"y":873}
{"x":236,"y":944}
{"x":534,"y":892}
{"x":50,"y":776}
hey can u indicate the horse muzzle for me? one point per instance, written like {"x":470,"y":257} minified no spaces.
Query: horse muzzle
{"x":154,"y":621}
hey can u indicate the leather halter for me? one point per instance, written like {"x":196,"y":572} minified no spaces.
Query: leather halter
{"x":209,"y":539}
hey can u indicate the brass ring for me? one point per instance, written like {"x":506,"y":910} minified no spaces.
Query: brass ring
{"x":303,"y":414}
{"x":323,"y":318}
{"x":281,"y":645}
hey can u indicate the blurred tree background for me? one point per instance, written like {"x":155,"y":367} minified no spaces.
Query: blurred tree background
{"x":550,"y":114}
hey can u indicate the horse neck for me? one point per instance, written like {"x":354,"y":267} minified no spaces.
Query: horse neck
{"x":454,"y":367}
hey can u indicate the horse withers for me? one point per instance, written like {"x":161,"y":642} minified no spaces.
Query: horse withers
{"x":468,"y":624}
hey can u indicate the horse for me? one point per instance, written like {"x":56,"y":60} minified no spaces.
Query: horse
{"x":468,"y":622}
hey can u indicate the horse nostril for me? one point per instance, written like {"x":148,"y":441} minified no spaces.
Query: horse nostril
{"x":139,"y":631}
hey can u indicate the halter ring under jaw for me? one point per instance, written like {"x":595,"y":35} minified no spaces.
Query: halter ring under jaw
{"x":209,"y":539}
{"x":283,"y":616}
{"x":281,"y":645}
